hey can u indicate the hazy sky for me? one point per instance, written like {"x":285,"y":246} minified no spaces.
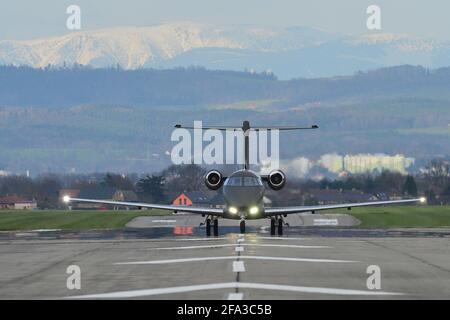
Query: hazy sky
{"x":26,"y":19}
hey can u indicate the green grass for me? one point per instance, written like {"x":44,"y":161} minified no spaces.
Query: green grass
{"x":371,"y":217}
{"x":70,"y":220}
{"x":402,"y":216}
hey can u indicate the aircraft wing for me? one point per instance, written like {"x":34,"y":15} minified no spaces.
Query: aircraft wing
{"x":291,"y":210}
{"x":190,"y":209}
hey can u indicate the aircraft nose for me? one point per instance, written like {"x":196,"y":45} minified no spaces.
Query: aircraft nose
{"x":241,"y":197}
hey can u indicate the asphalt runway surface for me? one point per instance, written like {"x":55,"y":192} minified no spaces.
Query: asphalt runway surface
{"x":174,"y":260}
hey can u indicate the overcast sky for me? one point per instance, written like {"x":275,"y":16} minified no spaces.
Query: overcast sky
{"x":25,"y":19}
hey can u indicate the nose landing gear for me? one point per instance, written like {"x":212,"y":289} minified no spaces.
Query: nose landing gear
{"x":242,"y":226}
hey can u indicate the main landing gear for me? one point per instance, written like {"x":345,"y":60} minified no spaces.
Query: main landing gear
{"x":215,"y":226}
{"x":277,"y":222}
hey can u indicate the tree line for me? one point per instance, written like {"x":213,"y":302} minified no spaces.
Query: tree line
{"x":433,"y":182}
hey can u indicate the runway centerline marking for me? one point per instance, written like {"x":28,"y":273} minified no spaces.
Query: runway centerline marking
{"x":238,"y":266}
{"x":235,"y":296}
{"x":168,"y":261}
{"x":233,"y":285}
{"x":239,"y":249}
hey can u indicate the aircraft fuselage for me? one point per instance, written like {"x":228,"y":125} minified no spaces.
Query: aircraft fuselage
{"x":243,"y":193}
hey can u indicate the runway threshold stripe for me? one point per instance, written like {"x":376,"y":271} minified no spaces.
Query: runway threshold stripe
{"x":168,"y":261}
{"x":281,"y":238}
{"x":199,"y":239}
{"x":234,"y":285}
{"x":238,"y":266}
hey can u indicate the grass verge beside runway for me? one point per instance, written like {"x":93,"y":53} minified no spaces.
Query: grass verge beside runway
{"x":402,"y":216}
{"x":70,"y":220}
{"x":370,"y":217}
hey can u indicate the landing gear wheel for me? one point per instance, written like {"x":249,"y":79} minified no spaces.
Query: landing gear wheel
{"x":242,"y":225}
{"x":280,"y":227}
{"x":272,"y":226}
{"x":216,"y":227}
{"x":208,"y":227}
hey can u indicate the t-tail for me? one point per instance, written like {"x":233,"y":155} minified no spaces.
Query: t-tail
{"x":246,"y":128}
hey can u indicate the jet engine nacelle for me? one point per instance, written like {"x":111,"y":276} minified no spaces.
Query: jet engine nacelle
{"x":276,"y":179}
{"x":213,"y":180}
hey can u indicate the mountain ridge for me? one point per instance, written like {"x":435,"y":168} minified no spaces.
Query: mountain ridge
{"x":288,"y":52}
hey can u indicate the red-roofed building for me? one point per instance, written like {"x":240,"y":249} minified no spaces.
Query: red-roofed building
{"x":16,"y":202}
{"x":182,"y":200}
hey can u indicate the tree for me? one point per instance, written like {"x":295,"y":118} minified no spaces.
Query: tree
{"x":47,"y":191}
{"x":151,"y":188}
{"x":189,"y":177}
{"x":431,"y":196}
{"x":438,"y":172}
{"x":117,"y":181}
{"x":410,"y":186}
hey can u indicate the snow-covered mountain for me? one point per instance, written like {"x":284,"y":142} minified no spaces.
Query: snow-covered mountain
{"x":289,"y":52}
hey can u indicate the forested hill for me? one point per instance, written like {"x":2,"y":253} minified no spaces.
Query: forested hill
{"x":83,"y":119}
{"x":24,"y":86}
{"x":50,"y":87}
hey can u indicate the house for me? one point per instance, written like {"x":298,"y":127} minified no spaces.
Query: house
{"x":124,"y":195}
{"x":94,"y":192}
{"x":197,"y":198}
{"x":182,"y":200}
{"x":16,"y":202}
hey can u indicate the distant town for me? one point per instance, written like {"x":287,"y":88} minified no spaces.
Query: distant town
{"x":341,"y":165}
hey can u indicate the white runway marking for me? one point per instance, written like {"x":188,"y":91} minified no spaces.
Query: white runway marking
{"x":232,"y":258}
{"x":235,"y":296}
{"x":325,"y":222}
{"x":163,"y":221}
{"x":239,"y":249}
{"x":242,"y":244}
{"x":195,"y":247}
{"x":233,"y":285}
{"x":240,"y":240}
{"x":280,"y":238}
{"x":200,"y":239}
{"x":238,"y":266}
{"x":264,"y":229}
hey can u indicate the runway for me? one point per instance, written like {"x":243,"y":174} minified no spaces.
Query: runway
{"x":311,"y":264}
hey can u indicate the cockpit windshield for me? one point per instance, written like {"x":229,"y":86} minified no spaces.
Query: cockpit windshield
{"x":243,"y":181}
